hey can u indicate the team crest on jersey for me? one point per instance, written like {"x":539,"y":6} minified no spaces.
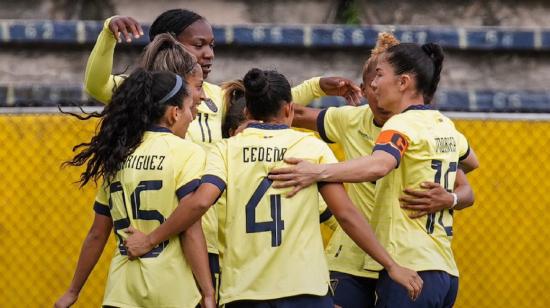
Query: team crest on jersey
{"x":211,"y":105}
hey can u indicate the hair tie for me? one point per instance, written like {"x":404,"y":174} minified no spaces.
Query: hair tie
{"x":174,"y":90}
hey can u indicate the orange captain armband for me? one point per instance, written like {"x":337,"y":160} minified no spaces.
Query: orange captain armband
{"x":392,"y":142}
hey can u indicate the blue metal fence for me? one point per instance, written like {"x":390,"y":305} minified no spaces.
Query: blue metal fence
{"x":334,"y":36}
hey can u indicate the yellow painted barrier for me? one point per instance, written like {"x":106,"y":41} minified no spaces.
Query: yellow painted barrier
{"x":502,"y":244}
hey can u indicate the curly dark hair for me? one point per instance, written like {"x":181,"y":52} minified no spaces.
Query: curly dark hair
{"x":137,"y":104}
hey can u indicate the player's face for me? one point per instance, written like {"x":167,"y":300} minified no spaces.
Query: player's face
{"x":380,"y":115}
{"x":195,"y":81}
{"x":386,"y":85}
{"x":184,"y":116}
{"x":198,"y":38}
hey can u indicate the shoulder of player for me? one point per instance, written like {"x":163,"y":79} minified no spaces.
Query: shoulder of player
{"x":350,"y":111}
{"x":311,"y":140}
{"x":212,"y":91}
{"x":180,"y":145}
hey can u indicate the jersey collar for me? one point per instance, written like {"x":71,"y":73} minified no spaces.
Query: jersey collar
{"x":418,"y":107}
{"x":267,"y":126}
{"x":159,"y":129}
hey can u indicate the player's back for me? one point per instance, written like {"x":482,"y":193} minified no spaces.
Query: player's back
{"x":432,"y":148}
{"x":143,"y":194}
{"x":273,"y":247}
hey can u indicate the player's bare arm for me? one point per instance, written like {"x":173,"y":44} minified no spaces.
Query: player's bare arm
{"x":302,"y":173}
{"x":355,"y":225}
{"x":89,"y":255}
{"x":194,"y":248}
{"x":189,"y":210}
{"x":432,"y":197}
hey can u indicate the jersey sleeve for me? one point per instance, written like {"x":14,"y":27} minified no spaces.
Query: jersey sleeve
{"x":98,"y":81}
{"x":394,"y":138}
{"x":463,"y":147}
{"x":327,"y":156}
{"x":307,"y":91}
{"x":330,"y":123}
{"x":189,"y":173}
{"x":101,"y":204}
{"x":216,"y":170}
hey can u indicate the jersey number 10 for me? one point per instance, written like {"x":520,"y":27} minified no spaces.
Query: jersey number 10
{"x":437,"y":165}
{"x":277,"y":225}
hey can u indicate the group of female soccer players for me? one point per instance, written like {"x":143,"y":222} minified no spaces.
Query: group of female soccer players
{"x":235,"y":222}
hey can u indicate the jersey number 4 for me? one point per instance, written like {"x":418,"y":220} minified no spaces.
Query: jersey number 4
{"x":437,"y":165}
{"x":277,"y":225}
{"x":137,"y":213}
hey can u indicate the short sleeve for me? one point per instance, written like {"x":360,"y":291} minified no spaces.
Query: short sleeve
{"x":216,"y":169}
{"x":324,"y":212}
{"x":394,"y":139}
{"x":307,"y":91}
{"x":101,"y":204}
{"x":462,"y":146}
{"x":331,"y":123}
{"x":189,"y":174}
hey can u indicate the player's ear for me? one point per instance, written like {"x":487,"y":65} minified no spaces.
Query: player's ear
{"x":405,"y":82}
{"x":288,"y":110}
{"x":172,"y":114}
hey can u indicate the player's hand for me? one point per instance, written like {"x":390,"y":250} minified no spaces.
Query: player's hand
{"x":299,"y":175}
{"x":67,"y":300}
{"x":127,"y":26}
{"x":338,"y":86}
{"x":208,"y":301}
{"x":433,"y":198}
{"x":137,"y":244}
{"x":408,"y":279}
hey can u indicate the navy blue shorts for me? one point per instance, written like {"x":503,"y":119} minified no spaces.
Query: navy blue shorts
{"x":353,"y":291}
{"x":439,"y":291}
{"x":299,"y":301}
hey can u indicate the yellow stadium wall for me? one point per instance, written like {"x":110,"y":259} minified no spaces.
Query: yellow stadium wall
{"x":501,"y":244}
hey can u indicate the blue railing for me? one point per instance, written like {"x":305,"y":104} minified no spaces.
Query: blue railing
{"x":446,"y":99}
{"x":314,"y":36}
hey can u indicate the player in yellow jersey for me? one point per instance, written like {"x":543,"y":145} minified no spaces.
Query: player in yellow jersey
{"x":272,"y":252}
{"x":147,"y":169}
{"x":356,"y":129}
{"x":196,"y":35}
{"x":415,"y":145}
{"x":235,"y":118}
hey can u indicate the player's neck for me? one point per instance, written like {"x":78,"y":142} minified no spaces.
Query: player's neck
{"x":279,"y":120}
{"x":409,"y":100}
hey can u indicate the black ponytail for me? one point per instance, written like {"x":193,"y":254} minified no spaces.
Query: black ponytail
{"x":137,"y":104}
{"x":173,"y":21}
{"x":435,"y":52}
{"x":424,"y":62}
{"x":235,"y":104}
{"x":265,"y":92}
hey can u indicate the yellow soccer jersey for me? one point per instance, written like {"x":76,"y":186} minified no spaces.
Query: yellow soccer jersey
{"x":272,"y":245}
{"x":161,"y":171}
{"x":354,"y":129}
{"x":205,"y":129}
{"x":427,"y":147}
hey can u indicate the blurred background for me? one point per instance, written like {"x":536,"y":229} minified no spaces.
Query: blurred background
{"x":494,"y":85}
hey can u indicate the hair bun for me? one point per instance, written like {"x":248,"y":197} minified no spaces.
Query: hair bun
{"x":434,"y":51}
{"x":256,"y":83}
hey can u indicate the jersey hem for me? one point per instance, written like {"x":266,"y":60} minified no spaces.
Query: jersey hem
{"x":260,"y":297}
{"x":121,"y":305}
